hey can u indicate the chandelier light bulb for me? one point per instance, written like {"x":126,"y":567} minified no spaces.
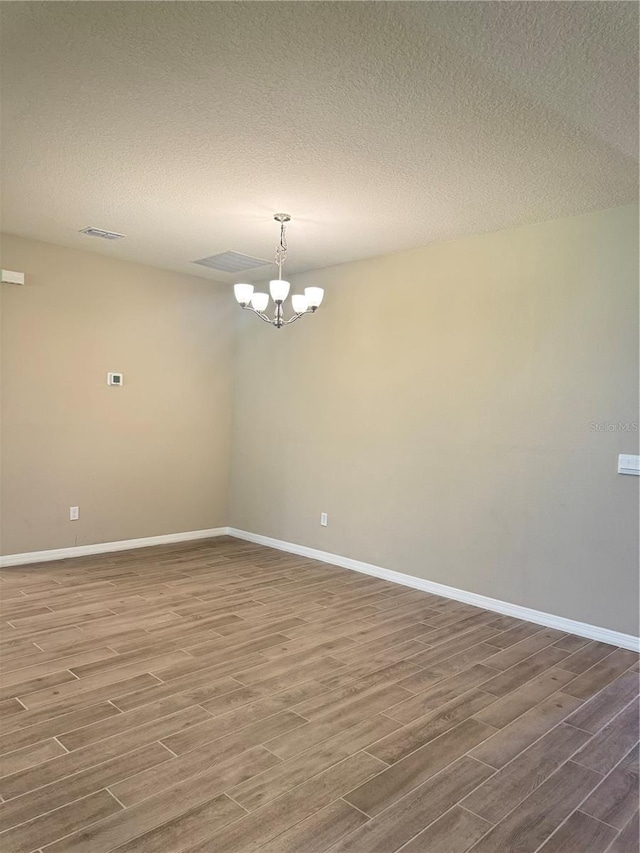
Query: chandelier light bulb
{"x":314,"y":295}
{"x":243,"y":293}
{"x":279,"y":290}
{"x":299,"y":303}
{"x":259,"y":301}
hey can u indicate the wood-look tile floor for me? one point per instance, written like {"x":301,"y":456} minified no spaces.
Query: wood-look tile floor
{"x":220,"y":697}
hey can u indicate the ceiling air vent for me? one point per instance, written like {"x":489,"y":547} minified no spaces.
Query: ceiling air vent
{"x":100,"y":232}
{"x":232,"y":262}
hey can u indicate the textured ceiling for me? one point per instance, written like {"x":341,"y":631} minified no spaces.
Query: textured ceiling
{"x":378,"y":126}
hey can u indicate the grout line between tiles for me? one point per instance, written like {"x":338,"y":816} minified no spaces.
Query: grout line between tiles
{"x":175,"y":754}
{"x":346,"y":802}
{"x":246,"y":811}
{"x":109,"y":791}
{"x":475,"y":814}
{"x":55,"y":737}
{"x":599,"y":819}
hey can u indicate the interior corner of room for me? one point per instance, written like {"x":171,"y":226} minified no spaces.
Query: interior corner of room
{"x":468,"y":445}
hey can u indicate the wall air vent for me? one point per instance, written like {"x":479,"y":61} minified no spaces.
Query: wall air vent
{"x":100,"y":232}
{"x":232,"y":262}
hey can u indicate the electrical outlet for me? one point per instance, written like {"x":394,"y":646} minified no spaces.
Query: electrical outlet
{"x":74,"y":513}
{"x":323,"y":519}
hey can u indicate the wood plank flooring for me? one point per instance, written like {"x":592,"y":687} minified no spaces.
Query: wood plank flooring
{"x":222,"y":697}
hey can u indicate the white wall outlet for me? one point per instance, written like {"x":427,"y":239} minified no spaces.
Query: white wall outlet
{"x":74,"y":513}
{"x":323,"y":519}
{"x":115,"y":379}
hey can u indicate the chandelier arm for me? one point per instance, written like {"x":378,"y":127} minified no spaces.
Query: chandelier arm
{"x":297,"y":316}
{"x":260,"y":314}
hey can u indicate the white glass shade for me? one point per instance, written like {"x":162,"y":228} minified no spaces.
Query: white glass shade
{"x":314,"y":296}
{"x":299,"y":303}
{"x":279,"y":289}
{"x":243,"y":293}
{"x":260,"y":301}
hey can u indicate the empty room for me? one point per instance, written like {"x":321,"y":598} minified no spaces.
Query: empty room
{"x":319,"y":509}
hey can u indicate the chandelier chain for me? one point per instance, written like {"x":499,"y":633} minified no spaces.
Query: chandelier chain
{"x":281,"y":249}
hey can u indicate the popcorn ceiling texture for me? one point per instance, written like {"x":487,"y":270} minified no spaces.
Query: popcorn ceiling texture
{"x":379,"y":126}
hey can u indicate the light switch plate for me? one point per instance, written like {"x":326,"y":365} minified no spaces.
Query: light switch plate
{"x":115,"y":379}
{"x":628,"y":464}
{"x":11,"y":277}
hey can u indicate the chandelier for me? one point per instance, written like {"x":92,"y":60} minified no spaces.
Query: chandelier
{"x":302,"y":303}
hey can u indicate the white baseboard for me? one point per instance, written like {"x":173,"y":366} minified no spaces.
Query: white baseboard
{"x":106,"y":547}
{"x":549,"y":620}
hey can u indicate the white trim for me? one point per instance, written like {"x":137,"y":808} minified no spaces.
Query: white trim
{"x":549,"y":620}
{"x":106,"y":547}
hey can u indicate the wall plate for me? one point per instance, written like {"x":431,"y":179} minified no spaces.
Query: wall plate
{"x":629,"y":464}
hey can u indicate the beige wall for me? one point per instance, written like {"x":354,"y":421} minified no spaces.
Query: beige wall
{"x":438,"y":407}
{"x":149,"y":458}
